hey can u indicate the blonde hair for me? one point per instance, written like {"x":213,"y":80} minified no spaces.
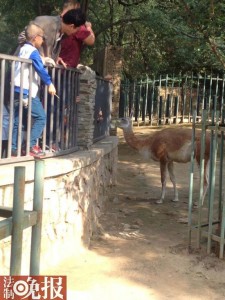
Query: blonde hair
{"x":32,"y":30}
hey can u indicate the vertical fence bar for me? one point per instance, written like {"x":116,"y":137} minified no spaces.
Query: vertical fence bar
{"x":29,"y":118}
{"x":179,"y":96}
{"x":132,"y":102}
{"x":204,"y":102}
{"x":160,"y":111}
{"x":191,"y":96}
{"x":11,"y":107}
{"x":126,"y":99}
{"x":222,"y":230}
{"x":164,"y":102}
{"x":216,"y":95}
{"x":185,"y":96}
{"x":21,"y":113}
{"x":151,"y":113}
{"x":159,"y":99}
{"x":137,"y":99}
{"x":175,"y":113}
{"x":68,"y":110}
{"x":122,"y":106}
{"x":2,"y":85}
{"x":212,"y":182}
{"x":168,"y":102}
{"x":221,"y":162}
{"x":171,"y":100}
{"x":36,"y":229}
{"x":59,"y":120}
{"x":210,"y":94}
{"x":17,"y":219}
{"x":146,"y":98}
{"x":46,"y":108}
{"x":190,"y":202}
{"x":198,"y":100}
{"x":211,"y":146}
{"x":222,"y":98}
{"x":183,"y":104}
{"x":202,"y":162}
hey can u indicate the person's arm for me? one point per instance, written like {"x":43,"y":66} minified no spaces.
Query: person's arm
{"x":90,"y":40}
{"x":40,"y":69}
{"x":22,"y":37}
{"x":60,"y":61}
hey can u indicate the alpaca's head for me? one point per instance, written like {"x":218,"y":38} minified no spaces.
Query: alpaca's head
{"x":124,"y":123}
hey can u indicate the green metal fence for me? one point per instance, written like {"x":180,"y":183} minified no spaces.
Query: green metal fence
{"x":207,"y":222}
{"x":171,"y":99}
{"x":16,"y":219}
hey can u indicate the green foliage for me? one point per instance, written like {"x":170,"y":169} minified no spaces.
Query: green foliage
{"x":162,"y":36}
{"x":15,"y":15}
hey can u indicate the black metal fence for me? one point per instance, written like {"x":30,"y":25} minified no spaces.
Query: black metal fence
{"x":167,"y":100}
{"x":102,"y":114}
{"x":60,"y":133}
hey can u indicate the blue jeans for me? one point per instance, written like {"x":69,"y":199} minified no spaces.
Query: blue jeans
{"x":39,"y":121}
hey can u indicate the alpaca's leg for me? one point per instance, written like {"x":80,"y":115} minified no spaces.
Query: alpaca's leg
{"x":163,"y":168}
{"x":173,"y":180}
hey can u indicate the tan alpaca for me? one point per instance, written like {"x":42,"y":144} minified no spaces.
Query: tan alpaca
{"x":167,"y":146}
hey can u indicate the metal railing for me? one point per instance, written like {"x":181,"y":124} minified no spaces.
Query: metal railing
{"x":166,"y":100}
{"x":102,"y":114}
{"x":61,"y":130}
{"x":61,"y":127}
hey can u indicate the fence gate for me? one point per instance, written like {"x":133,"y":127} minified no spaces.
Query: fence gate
{"x":208,"y":221}
{"x":16,"y":220}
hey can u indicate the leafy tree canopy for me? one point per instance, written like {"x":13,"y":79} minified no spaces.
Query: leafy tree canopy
{"x":157,"y":36}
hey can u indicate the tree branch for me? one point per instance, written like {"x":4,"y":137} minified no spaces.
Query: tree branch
{"x":214,"y":49}
{"x":119,"y":22}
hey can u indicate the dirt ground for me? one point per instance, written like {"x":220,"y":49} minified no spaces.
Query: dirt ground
{"x":142,"y":251}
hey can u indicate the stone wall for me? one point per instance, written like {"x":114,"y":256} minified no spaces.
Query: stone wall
{"x":76,"y":190}
{"x":86,"y":106}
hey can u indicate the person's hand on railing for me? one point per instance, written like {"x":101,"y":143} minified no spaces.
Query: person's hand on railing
{"x":48,"y":61}
{"x":51,"y":89}
{"x":60,"y":61}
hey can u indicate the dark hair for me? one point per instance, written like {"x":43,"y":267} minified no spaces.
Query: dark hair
{"x":75,"y":17}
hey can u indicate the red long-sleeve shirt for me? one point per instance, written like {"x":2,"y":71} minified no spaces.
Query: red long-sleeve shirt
{"x":71,"y":46}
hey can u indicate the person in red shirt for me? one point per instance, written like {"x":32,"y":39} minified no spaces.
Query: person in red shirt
{"x":69,"y":56}
{"x":71,"y":46}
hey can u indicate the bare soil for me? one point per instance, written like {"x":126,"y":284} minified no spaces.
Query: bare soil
{"x":141,"y":252}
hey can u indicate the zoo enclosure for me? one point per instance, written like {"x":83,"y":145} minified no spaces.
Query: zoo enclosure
{"x":171,"y":99}
{"x":198,"y":100}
